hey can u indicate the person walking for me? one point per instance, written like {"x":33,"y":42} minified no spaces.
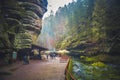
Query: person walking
{"x":14,"y":56}
{"x":27,"y":58}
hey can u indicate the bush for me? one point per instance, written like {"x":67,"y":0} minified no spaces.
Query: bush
{"x":82,"y":57}
{"x":99,"y":64}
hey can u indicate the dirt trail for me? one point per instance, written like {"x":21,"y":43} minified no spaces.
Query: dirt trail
{"x":37,"y":70}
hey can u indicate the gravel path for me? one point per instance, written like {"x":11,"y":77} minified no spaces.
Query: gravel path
{"x":36,"y":70}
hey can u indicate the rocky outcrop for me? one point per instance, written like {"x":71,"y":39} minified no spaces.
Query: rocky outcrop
{"x":20,"y":22}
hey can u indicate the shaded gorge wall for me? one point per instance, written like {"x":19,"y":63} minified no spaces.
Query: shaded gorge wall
{"x":20,"y":22}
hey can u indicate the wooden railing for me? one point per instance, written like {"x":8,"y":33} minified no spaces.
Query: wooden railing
{"x":68,"y":70}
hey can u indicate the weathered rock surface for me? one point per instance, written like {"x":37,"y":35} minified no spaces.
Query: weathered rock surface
{"x":20,"y":22}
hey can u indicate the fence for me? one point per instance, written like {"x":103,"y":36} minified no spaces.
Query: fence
{"x":68,"y":71}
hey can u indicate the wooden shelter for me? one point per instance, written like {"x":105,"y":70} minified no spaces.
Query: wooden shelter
{"x":38,"y":48}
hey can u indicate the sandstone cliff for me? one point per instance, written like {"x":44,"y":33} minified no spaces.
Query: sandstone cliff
{"x":20,"y":22}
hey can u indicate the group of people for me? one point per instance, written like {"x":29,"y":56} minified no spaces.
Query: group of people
{"x":52,"y":55}
{"x":25,"y":56}
{"x":12,"y":58}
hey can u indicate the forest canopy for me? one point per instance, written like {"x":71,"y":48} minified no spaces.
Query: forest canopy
{"x":89,"y":25}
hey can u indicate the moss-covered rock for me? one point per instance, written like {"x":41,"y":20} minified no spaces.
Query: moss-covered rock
{"x":98,"y":64}
{"x":19,"y":16}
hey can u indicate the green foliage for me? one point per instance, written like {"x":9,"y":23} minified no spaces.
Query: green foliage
{"x":78,"y":19}
{"x":82,"y":57}
{"x":93,"y":22}
{"x":68,"y":74}
{"x":93,"y":25}
{"x":22,"y":40}
{"x":97,"y":70}
{"x":100,"y":57}
{"x":98,"y":64}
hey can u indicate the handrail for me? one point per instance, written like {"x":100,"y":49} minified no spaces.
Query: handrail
{"x":68,"y":72}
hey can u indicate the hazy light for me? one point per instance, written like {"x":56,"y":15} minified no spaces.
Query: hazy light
{"x":54,"y":5}
{"x":49,"y":35}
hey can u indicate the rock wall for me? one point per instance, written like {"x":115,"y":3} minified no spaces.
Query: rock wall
{"x":20,"y":22}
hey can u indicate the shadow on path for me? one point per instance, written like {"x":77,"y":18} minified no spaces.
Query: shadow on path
{"x":51,"y":69}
